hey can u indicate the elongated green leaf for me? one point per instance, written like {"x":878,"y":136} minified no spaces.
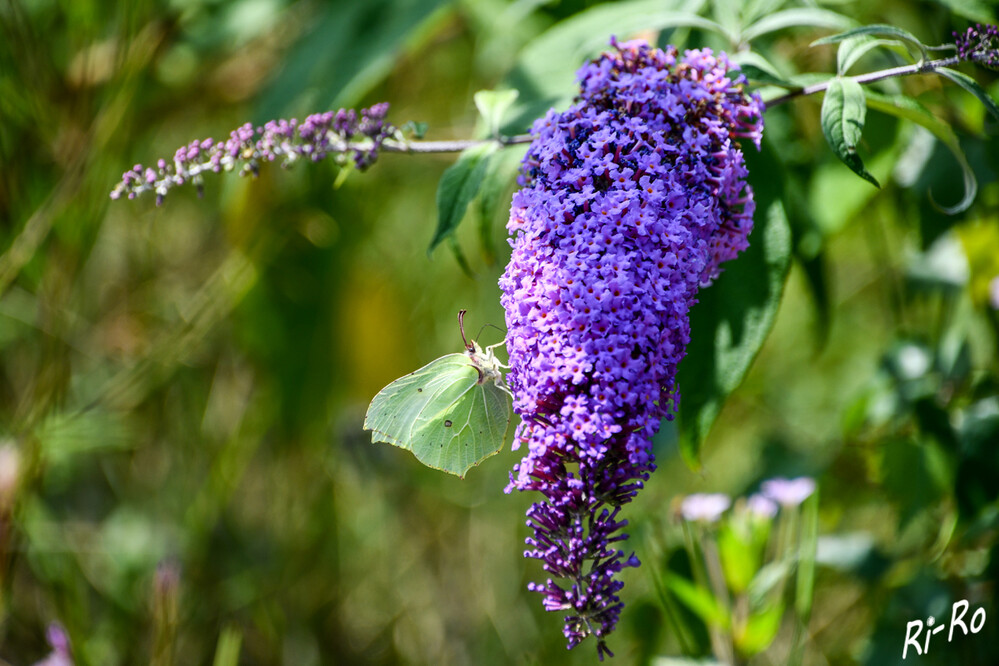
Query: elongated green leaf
{"x":879,"y":30}
{"x":458,"y":187}
{"x":698,"y":600}
{"x":546,"y":67}
{"x":758,"y":69}
{"x":971,"y":86}
{"x":350,"y":47}
{"x":760,"y":630}
{"x":843,"y":113}
{"x":734,"y":315}
{"x":854,"y":48}
{"x":901,"y":106}
{"x":493,"y":194}
{"x":492,"y":106}
{"x":809,"y":17}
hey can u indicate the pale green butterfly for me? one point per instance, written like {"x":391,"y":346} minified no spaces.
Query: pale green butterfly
{"x":452,"y":413}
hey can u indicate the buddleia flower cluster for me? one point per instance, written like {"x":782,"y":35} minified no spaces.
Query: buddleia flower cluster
{"x":979,"y":44}
{"x":631,"y":200}
{"x":344,"y":134}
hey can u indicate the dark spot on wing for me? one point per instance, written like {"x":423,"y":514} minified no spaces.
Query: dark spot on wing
{"x":419,"y":390}
{"x":447,"y":423}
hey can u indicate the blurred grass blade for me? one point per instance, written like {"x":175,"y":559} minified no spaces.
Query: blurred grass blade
{"x":843,"y":113}
{"x":699,"y":600}
{"x":227,"y":650}
{"x":457,"y":188}
{"x":908,"y":108}
{"x":805,"y":579}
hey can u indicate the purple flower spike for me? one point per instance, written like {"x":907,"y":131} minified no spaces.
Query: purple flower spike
{"x":340,"y":134}
{"x":788,"y":492}
{"x":630,"y":201}
{"x":979,"y":44}
{"x":704,"y":507}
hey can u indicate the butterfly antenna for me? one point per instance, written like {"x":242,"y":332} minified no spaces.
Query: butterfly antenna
{"x":461,"y":327}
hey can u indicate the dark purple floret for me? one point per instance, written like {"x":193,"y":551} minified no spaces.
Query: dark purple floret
{"x":341,"y":134}
{"x":630,"y":201}
{"x":979,"y":44}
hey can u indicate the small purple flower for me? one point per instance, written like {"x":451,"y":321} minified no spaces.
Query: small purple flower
{"x":631,"y":200}
{"x":705,"y":507}
{"x":761,"y":506}
{"x":979,"y":44}
{"x":788,"y":492}
{"x":59,"y":641}
{"x":341,"y":134}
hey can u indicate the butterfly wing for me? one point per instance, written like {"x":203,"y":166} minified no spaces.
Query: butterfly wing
{"x":442,"y":414}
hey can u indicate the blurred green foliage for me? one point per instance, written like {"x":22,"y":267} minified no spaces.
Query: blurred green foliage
{"x":183,"y":475}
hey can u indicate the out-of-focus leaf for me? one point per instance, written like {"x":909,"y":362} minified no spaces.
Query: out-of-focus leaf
{"x":878,"y":30}
{"x":352,"y":47}
{"x":854,"y":48}
{"x":227,"y":650}
{"x":805,"y":583}
{"x":698,"y":600}
{"x":843,"y":114}
{"x":496,"y":183}
{"x":902,"y":106}
{"x":981,"y":11}
{"x":458,"y":186}
{"x":971,"y":86}
{"x":808,"y":17}
{"x":733,"y":316}
{"x":546,"y":67}
{"x":760,"y":630}
{"x":493,"y":105}
{"x":760,"y":70}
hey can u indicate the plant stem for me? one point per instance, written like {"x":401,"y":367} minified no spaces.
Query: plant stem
{"x":924,"y":67}
{"x":412,"y":147}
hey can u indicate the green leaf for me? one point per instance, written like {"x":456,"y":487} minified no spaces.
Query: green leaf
{"x":492,"y":106}
{"x":901,"y":106}
{"x":760,"y":70}
{"x":854,"y":48}
{"x":349,"y":48}
{"x":699,"y":600}
{"x":760,"y":630}
{"x":878,"y":30}
{"x":805,"y":583}
{"x":971,"y":86}
{"x":546,"y":66}
{"x":458,"y":186}
{"x":734,"y":315}
{"x":810,"y":17}
{"x":452,"y":413}
{"x":493,"y":191}
{"x":227,"y":650}
{"x":843,"y":114}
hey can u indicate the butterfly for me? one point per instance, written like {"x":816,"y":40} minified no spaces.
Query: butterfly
{"x":452,"y":413}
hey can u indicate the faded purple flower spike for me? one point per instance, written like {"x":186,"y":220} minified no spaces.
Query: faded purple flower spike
{"x":979,"y":44}
{"x":788,"y":492}
{"x":704,"y":507}
{"x":630,"y":201}
{"x":341,"y":134}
